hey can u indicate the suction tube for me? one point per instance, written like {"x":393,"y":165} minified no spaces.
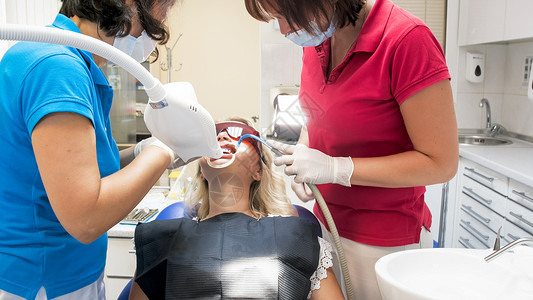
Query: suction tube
{"x":336,"y":238}
{"x":327,"y":215}
{"x":174,"y":117}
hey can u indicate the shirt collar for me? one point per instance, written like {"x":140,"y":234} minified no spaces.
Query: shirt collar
{"x":373,"y":27}
{"x":372,"y":30}
{"x":63,"y":22}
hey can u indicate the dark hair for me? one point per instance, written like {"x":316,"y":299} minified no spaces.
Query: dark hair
{"x":300,"y":13}
{"x":154,"y":28}
{"x":112,"y":16}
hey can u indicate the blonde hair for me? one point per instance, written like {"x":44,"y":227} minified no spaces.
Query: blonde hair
{"x":267,"y":196}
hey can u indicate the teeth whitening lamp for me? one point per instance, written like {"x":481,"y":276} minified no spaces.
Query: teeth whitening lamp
{"x":173,"y":114}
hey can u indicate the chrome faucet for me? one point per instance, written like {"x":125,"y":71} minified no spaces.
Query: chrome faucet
{"x":485,"y":103}
{"x":497,"y":253}
{"x":496,"y":129}
{"x":492,"y":129}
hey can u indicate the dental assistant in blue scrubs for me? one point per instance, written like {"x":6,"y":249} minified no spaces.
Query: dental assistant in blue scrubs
{"x":62,"y":186}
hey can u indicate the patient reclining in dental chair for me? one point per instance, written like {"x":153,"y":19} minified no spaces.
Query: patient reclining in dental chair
{"x":245,"y":240}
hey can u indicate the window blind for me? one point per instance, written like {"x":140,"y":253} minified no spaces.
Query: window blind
{"x":432,"y":12}
{"x":26,"y":12}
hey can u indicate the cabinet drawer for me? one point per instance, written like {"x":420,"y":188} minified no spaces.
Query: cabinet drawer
{"x":120,"y":261}
{"x":486,"y":177}
{"x":479,"y":231}
{"x":474,"y":190}
{"x":521,"y":193}
{"x":521,"y":216}
{"x":114,"y":286}
{"x":467,"y":240}
{"x":511,"y":233}
{"x":482,"y":214}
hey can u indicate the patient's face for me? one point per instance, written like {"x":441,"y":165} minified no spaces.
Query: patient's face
{"x":243,"y":162}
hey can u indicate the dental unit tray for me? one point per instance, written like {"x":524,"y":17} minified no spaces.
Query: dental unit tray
{"x":139,"y":215}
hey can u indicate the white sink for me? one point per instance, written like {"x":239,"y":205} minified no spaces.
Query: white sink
{"x":443,"y":273}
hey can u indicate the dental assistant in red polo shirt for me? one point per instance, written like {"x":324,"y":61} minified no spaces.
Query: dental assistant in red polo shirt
{"x":380,"y":123}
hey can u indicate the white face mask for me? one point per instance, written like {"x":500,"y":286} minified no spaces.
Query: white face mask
{"x":138,"y":48}
{"x":306,"y":39}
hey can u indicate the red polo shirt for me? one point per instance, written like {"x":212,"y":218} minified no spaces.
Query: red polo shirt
{"x":356,"y":113}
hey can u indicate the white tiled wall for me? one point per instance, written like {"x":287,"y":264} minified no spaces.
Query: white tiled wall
{"x":502,"y":87}
{"x":502,"y":84}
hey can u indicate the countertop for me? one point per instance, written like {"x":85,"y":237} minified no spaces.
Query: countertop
{"x":514,"y":160}
{"x":154,"y":199}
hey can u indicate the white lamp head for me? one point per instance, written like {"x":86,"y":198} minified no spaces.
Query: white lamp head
{"x":182,"y":124}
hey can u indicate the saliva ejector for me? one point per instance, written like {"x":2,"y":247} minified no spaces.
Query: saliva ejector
{"x":173,"y":115}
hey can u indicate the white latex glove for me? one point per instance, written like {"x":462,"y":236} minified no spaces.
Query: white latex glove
{"x":175,"y":161}
{"x":312,"y":166}
{"x":302,"y":191}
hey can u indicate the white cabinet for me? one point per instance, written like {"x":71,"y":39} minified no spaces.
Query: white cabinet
{"x":489,"y":21}
{"x":120,"y":265}
{"x":518,"y":19}
{"x":486,"y":202}
{"x":481,"y":21}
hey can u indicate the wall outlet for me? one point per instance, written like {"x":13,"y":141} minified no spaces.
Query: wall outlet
{"x":530,"y":85}
{"x":526,"y":69}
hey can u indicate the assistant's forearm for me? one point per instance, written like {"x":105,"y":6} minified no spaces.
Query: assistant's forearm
{"x":406,"y":169}
{"x":119,"y":193}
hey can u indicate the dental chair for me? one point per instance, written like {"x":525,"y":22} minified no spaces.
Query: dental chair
{"x":178,"y":210}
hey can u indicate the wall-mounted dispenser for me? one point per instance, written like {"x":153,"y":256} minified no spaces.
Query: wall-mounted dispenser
{"x":475,"y":67}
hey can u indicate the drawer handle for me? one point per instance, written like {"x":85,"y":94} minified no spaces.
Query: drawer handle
{"x":132,"y":251}
{"x":513,"y":237}
{"x":489,"y":179}
{"x":523,"y":195}
{"x":519,"y":217}
{"x":465,"y":242}
{"x":118,"y":276}
{"x":467,"y":224}
{"x":470,"y":211}
{"x":474,"y":195}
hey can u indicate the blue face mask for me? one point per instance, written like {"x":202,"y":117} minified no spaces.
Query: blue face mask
{"x":306,"y":39}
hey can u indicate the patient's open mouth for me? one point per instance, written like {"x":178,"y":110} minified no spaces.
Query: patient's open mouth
{"x":228,"y":150}
{"x":228,"y":153}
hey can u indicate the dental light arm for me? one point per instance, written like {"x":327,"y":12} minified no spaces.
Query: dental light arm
{"x":173,"y":114}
